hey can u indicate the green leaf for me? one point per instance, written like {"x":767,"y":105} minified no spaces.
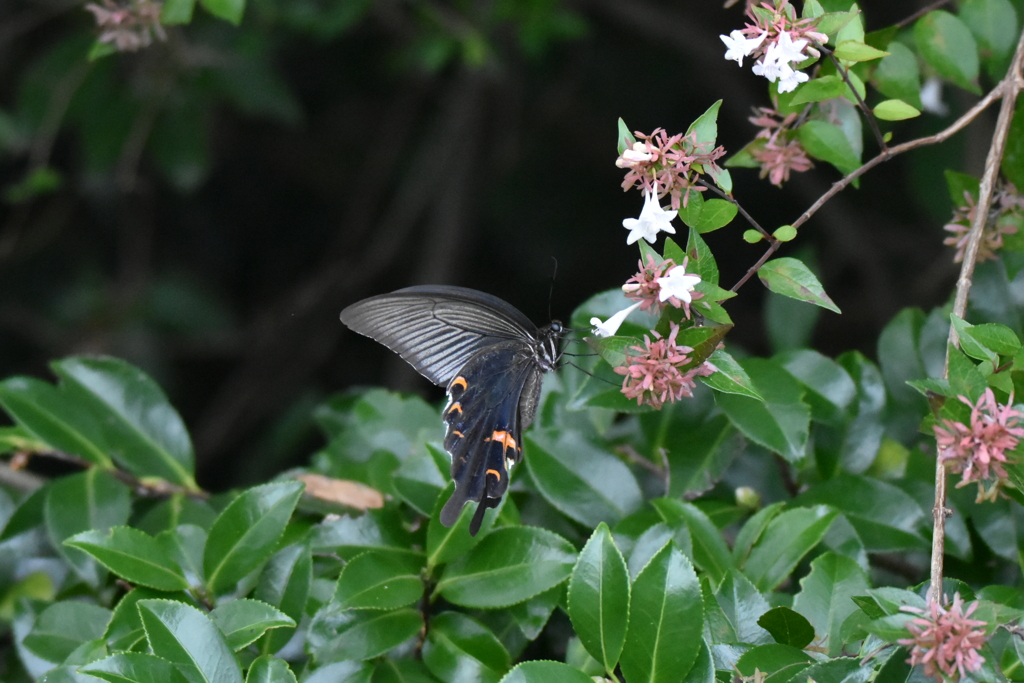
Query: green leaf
{"x":787,"y":627}
{"x":247,"y":531}
{"x":285,"y":583}
{"x":717,"y":213}
{"x":599,"y":597}
{"x":337,"y":634}
{"x":177,"y":12}
{"x":342,"y":672}
{"x":781,"y":660}
{"x":50,"y":415}
{"x":459,"y":649}
{"x":419,"y":481}
{"x":141,"y":428}
{"x":188,"y":639}
{"x":582,"y":481}
{"x":698,"y":455}
{"x":701,"y":260}
{"x":380,"y":580}
{"x":826,"y":596}
{"x":828,"y":142}
{"x":689,"y":212}
{"x":948,"y":46}
{"x":269,"y":669}
{"x":625,"y":138}
{"x":129,"y":667}
{"x":666,"y":620}
{"x":393,"y":670}
{"x":546,"y":672}
{"x":785,"y":233}
{"x":790,"y":277}
{"x":133,"y":555}
{"x":743,"y":605}
{"x":830,"y":389}
{"x":509,"y":566}
{"x":895,"y":110}
{"x":857,"y":51}
{"x":243,"y":621}
{"x":781,"y":420}
{"x":88,"y":500}
{"x":228,"y":10}
{"x":710,"y":553}
{"x":819,"y":89}
{"x":705,"y":128}
{"x":63,"y":627}
{"x":898,"y":76}
{"x":730,"y":377}
{"x":786,"y":540}
{"x":445,"y":544}
{"x":993,"y":23}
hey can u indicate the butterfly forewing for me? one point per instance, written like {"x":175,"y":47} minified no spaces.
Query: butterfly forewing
{"x":437,"y":329}
{"x":489,"y":356}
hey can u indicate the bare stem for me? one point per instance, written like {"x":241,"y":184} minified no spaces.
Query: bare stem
{"x":1009,"y":87}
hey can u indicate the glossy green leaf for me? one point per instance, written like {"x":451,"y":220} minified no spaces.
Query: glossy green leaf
{"x":781,"y":422}
{"x":132,"y":667}
{"x":445,"y":544}
{"x":898,"y":75}
{"x":705,"y":128}
{"x":510,"y":565}
{"x":599,"y":597}
{"x":141,"y":428}
{"x":133,"y":555}
{"x":710,"y":553}
{"x":742,"y":605}
{"x":243,"y":621}
{"x":459,"y":649}
{"x":666,"y":620}
{"x":546,"y":672}
{"x":993,"y":23}
{"x":819,"y":89}
{"x":228,"y":10}
{"x":380,"y":580}
{"x":390,"y":670}
{"x":269,"y":669}
{"x":184,"y":545}
{"x":124,"y":630}
{"x":698,"y":454}
{"x":895,"y":110}
{"x":729,"y":377}
{"x":830,"y":389}
{"x":856,"y":51}
{"x":786,"y":540}
{"x":188,"y":638}
{"x":588,"y":484}
{"x":341,"y":672}
{"x":826,"y":596}
{"x":717,"y":213}
{"x":752,"y":530}
{"x":787,"y":627}
{"x":624,"y":139}
{"x":772,"y":658}
{"x":364,"y":634}
{"x":827,"y":142}
{"x":176,"y":12}
{"x":246,"y":532}
{"x":790,"y":277}
{"x":948,"y":46}
{"x":88,"y":500}
{"x":348,"y":536}
{"x":419,"y":481}
{"x":50,"y":415}
{"x":700,"y":260}
{"x":285,"y":583}
{"x":64,"y":626}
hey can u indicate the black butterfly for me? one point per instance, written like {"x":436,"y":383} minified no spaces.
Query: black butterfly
{"x":491,"y":359}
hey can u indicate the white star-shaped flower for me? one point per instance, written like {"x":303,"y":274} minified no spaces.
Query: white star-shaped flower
{"x":677,"y":283}
{"x":739,"y":46}
{"x":769,"y":66}
{"x":653,"y":219}
{"x":789,"y":78}
{"x":609,"y":327}
{"x":791,"y":50}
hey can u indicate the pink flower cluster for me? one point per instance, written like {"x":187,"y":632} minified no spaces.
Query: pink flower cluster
{"x":129,"y":27}
{"x":945,"y":640}
{"x":1007,"y":206}
{"x":653,"y":376}
{"x":646,"y":286}
{"x":667,"y":165}
{"x":781,"y":153}
{"x":979,"y":450}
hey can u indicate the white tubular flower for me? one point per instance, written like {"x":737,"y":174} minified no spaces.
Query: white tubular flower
{"x":769,"y":66}
{"x":677,"y":283}
{"x":789,"y":78}
{"x":653,"y":219}
{"x":609,"y":327}
{"x":739,"y":46}
{"x":791,"y":50}
{"x":636,"y":155}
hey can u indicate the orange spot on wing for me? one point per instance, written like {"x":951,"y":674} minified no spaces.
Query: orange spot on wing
{"x":505,"y":439}
{"x":457,"y":433}
{"x":496,"y":473}
{"x":455,"y":407}
{"x":459,"y":381}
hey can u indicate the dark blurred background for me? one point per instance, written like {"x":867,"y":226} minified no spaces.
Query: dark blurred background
{"x":206,"y":206}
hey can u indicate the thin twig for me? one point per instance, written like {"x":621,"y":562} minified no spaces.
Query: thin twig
{"x":868,"y":114}
{"x":739,"y":207}
{"x":921,"y":12}
{"x":1010,"y":86}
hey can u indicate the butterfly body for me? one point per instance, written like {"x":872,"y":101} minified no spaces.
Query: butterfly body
{"x":489,"y":357}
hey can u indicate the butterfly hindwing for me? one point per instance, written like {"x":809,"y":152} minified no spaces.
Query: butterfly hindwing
{"x":484,"y":426}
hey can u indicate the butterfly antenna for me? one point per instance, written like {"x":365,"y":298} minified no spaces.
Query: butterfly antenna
{"x":587,"y":372}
